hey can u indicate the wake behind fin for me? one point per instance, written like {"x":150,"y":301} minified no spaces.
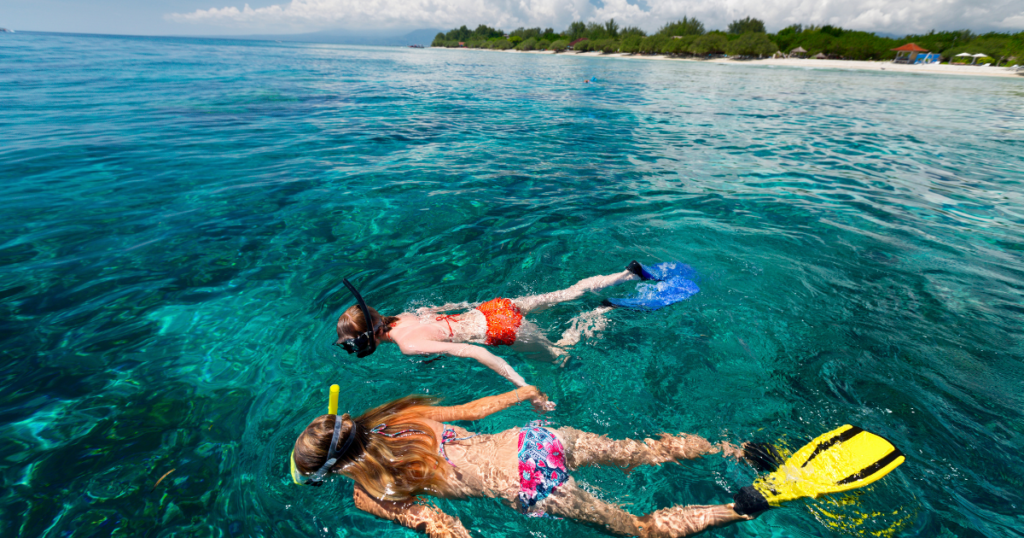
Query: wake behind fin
{"x":762,"y":456}
{"x":664,"y":284}
{"x":843,"y":459}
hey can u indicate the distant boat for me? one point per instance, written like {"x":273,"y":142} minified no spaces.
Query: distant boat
{"x":415,"y":46}
{"x":6,"y":30}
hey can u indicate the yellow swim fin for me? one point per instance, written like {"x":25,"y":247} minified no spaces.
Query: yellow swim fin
{"x":843,"y":459}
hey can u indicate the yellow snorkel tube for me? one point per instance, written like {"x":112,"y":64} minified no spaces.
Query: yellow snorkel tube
{"x":332,"y":409}
{"x":332,"y":402}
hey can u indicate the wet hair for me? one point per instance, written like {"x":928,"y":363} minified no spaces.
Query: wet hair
{"x":353,"y":323}
{"x":388,"y":468}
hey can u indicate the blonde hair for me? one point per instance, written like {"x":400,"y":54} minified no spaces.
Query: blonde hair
{"x":388,"y":468}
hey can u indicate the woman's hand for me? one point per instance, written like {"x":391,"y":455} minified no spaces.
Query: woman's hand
{"x":541,"y":403}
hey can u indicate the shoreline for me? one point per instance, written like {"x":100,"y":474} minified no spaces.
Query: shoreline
{"x":804,"y":63}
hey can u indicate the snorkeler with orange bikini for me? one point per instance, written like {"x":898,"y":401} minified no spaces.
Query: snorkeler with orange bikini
{"x":498,"y":322}
{"x":502,"y":321}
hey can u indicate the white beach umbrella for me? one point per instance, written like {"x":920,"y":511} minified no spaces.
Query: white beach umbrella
{"x":976,"y":56}
{"x":965,"y":55}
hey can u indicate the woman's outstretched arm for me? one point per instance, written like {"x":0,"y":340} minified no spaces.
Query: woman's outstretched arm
{"x":488,"y":405}
{"x":419,"y":517}
{"x":488,"y":359}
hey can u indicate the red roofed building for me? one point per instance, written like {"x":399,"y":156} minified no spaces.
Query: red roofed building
{"x":907,"y":53}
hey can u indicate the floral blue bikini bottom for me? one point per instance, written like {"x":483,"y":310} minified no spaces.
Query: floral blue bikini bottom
{"x":541,"y":466}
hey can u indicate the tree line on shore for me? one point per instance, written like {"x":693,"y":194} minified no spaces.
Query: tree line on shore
{"x":743,"y":38}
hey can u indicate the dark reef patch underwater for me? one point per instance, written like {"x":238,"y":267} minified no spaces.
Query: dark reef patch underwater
{"x":179,"y":215}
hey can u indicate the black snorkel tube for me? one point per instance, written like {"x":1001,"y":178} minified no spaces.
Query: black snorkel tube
{"x":365,"y":343}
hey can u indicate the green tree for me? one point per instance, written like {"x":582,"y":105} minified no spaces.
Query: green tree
{"x":679,"y":46}
{"x":459,"y":34}
{"x":787,"y":37}
{"x":815,"y":42}
{"x":528,"y":44}
{"x":438,"y":41}
{"x":515,"y":40}
{"x":653,"y":44}
{"x":632,"y":31}
{"x":611,"y":28}
{"x":833,"y":31}
{"x":525,"y":33}
{"x":751,"y":44}
{"x":631,"y":43}
{"x":1015,"y":49}
{"x":486,"y":32}
{"x":713,"y":43}
{"x":558,"y":45}
{"x":595,"y":31}
{"x":682,"y":27}
{"x":747,"y":25}
{"x":576,"y":30}
{"x":861,"y":46}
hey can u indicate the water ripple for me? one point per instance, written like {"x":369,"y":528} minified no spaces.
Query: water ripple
{"x":180,"y":214}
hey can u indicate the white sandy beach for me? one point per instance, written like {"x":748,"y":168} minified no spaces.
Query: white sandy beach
{"x":932,"y":69}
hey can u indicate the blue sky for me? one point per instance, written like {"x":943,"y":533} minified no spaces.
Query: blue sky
{"x":234,"y":17}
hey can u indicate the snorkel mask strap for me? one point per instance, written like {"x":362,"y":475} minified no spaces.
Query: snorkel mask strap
{"x":354,"y":345}
{"x":317,"y":479}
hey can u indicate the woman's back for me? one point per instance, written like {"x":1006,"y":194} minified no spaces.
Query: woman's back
{"x":483,"y":465}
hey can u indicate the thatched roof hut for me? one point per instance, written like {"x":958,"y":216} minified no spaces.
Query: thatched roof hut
{"x":907,"y":53}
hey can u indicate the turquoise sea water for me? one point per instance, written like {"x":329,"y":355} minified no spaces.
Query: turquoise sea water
{"x":178,"y":215}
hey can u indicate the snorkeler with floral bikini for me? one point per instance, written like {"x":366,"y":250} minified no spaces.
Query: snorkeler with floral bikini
{"x":404,"y":449}
{"x":498,"y":322}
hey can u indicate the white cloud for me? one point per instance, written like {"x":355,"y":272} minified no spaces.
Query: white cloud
{"x":896,"y":16}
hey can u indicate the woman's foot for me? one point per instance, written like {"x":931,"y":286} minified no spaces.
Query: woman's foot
{"x":638,"y":270}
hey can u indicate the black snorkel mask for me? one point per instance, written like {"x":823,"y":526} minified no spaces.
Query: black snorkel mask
{"x":365,"y":343}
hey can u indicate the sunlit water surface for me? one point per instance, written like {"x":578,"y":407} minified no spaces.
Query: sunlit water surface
{"x":179,"y":214}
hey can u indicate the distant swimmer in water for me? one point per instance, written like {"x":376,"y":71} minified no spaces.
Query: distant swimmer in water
{"x":498,"y":322}
{"x":404,"y":449}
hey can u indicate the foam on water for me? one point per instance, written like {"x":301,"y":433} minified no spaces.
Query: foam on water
{"x":179,"y":215}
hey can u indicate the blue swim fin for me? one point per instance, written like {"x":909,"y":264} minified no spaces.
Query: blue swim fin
{"x":664,"y":284}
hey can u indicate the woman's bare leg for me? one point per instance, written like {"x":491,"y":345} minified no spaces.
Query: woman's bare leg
{"x":688,"y":520}
{"x":534,"y":303}
{"x":588,"y":449}
{"x":573,"y":502}
{"x":530,"y":340}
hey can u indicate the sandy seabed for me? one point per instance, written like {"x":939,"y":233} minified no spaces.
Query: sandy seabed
{"x":932,"y":69}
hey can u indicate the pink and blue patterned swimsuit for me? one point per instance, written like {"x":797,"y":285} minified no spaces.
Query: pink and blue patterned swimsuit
{"x":541,"y":466}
